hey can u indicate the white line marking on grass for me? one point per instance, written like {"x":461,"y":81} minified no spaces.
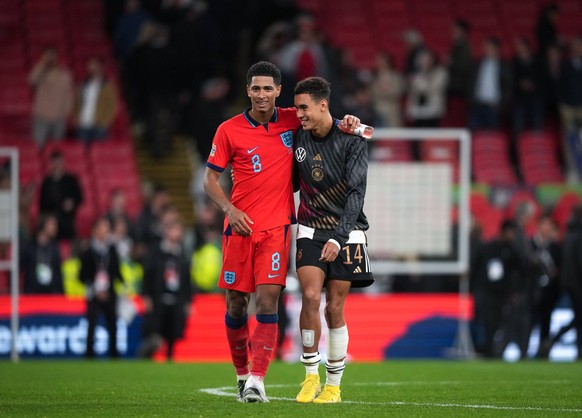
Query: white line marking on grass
{"x":230,"y":391}
{"x":455,"y":382}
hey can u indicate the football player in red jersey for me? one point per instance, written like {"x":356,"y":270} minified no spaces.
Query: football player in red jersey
{"x":259,"y":146}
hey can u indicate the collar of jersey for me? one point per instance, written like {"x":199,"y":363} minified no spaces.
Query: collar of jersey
{"x":256,"y":124}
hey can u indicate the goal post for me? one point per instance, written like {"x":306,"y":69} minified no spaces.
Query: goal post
{"x":410,"y":203}
{"x":417,"y":204}
{"x":9,"y":193}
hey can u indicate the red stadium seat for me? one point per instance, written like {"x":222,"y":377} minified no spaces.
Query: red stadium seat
{"x":563,"y":208}
{"x":391,"y":151}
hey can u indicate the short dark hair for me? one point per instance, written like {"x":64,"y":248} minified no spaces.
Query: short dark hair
{"x":318,"y":88}
{"x":56,"y":155}
{"x":264,"y":69}
{"x":493,"y":40}
{"x":463,"y":25}
{"x":508,"y":225}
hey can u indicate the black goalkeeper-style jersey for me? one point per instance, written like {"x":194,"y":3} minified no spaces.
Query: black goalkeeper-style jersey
{"x":332,"y":175}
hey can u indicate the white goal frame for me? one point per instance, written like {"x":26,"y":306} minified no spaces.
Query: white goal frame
{"x":461,"y":264}
{"x":12,"y":264}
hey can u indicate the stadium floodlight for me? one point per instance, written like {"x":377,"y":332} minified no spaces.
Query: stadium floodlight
{"x":9,"y":192}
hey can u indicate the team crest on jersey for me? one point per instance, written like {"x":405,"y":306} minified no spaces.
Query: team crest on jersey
{"x":300,"y":154}
{"x":229,"y":277}
{"x":317,"y":173}
{"x":213,"y":150}
{"x":287,"y":138}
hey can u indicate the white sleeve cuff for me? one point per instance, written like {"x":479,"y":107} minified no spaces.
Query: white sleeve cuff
{"x":337,"y":244}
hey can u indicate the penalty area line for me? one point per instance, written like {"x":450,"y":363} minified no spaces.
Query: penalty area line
{"x":229,"y":391}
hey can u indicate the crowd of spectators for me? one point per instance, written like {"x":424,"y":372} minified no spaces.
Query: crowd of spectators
{"x":90,"y":107}
{"x":517,"y":281}
{"x":177,"y":62}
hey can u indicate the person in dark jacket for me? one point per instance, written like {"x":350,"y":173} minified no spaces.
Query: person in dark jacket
{"x":167,"y":291}
{"x":40,"y":260}
{"x":491,"y":87}
{"x":497,"y":267}
{"x":571,"y":271}
{"x":61,"y":195}
{"x":547,"y":253}
{"x":99,"y":271}
{"x":527,"y":76}
{"x":570,"y":102}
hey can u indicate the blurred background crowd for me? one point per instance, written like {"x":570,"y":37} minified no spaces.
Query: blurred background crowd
{"x":113,"y":106}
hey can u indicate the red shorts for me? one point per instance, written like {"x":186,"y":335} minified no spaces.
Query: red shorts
{"x":261,"y":258}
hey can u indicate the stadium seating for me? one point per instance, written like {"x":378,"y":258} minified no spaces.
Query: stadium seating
{"x":537,"y":153}
{"x":563,"y":208}
{"x":488,"y":217}
{"x":442,"y":151}
{"x":348,"y":23}
{"x":392,"y":151}
{"x":75,"y":28}
{"x":490,"y":159}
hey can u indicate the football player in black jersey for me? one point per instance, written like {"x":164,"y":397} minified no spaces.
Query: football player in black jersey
{"x":331,"y":242}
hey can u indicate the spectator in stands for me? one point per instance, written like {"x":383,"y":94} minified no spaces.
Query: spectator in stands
{"x":129,"y":28}
{"x":61,"y":195}
{"x":527,"y":89}
{"x":96,"y":103}
{"x":167,"y":291}
{"x":272,"y":42}
{"x":157,"y":65}
{"x":148,"y":228}
{"x":99,"y":271}
{"x":121,"y":239}
{"x":547,"y":253}
{"x":490,"y":88}
{"x":518,"y":318}
{"x":496,"y":265}
{"x":426,"y":99}
{"x":53,"y":97}
{"x":459,"y":65}
{"x":551,"y":68}
{"x":270,"y":47}
{"x":386,"y":88}
{"x":360,"y":103}
{"x":570,"y":97}
{"x":118,"y":209}
{"x":304,"y":57}
{"x":414,"y":45}
{"x":345,"y":78}
{"x":40,"y":260}
{"x":546,"y":30}
{"x":571,"y":270}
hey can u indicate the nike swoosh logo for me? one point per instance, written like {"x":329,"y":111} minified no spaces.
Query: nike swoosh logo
{"x":272,"y":276}
{"x":240,"y":348}
{"x":267,"y":348}
{"x":250,"y":151}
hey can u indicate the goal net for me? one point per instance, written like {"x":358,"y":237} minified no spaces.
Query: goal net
{"x":9,"y":191}
{"x":417,"y":201}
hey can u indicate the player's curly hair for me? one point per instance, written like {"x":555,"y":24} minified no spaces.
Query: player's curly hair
{"x":264,"y":69}
{"x":318,"y":88}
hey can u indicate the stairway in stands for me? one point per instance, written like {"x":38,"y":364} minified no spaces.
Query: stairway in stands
{"x":174,"y":172}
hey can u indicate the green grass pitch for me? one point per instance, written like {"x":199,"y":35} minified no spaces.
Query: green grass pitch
{"x":392,"y":388}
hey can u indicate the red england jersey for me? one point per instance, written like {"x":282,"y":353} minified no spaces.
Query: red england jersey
{"x":262,"y":159}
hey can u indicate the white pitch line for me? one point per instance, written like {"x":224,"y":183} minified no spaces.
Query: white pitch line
{"x":228,"y":392}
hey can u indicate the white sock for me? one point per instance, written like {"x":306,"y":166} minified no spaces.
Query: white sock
{"x":311,"y":362}
{"x":243,"y":377}
{"x":337,"y":349}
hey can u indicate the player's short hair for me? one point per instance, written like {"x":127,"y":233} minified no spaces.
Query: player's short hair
{"x":264,"y":69}
{"x":318,"y":88}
